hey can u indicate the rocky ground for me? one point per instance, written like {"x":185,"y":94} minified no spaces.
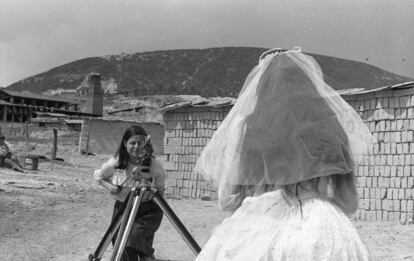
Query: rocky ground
{"x":58,"y":213}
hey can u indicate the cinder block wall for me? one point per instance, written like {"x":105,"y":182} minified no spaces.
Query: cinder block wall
{"x":385,"y":178}
{"x":11,"y":130}
{"x":105,"y":135}
{"x":39,"y":133}
{"x":187,"y":131}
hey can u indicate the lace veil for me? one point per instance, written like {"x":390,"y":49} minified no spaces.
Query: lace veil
{"x":286,"y":126}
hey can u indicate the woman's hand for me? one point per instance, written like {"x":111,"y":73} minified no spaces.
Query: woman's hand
{"x":113,"y":189}
{"x":137,"y":172}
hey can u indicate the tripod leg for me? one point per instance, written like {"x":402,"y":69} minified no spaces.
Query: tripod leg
{"x":127,"y":222}
{"x":106,"y":240}
{"x":159,"y":200}
{"x":111,"y":231}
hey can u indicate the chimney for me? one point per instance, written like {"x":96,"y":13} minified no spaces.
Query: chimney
{"x":95,"y":94}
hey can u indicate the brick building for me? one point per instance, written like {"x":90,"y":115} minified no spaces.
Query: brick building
{"x":385,"y":179}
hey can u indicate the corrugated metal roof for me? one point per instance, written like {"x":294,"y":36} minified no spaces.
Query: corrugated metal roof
{"x":219,"y":102}
{"x":112,"y":118}
{"x":229,"y":101}
{"x":133,"y":108}
{"x":404,"y":85}
{"x":202,"y":102}
{"x":348,"y":91}
{"x":174,"y":106}
{"x":31,"y":95}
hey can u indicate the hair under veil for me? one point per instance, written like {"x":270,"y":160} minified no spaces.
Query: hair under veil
{"x":286,"y":126}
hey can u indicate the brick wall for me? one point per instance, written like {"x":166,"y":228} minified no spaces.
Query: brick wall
{"x":187,"y":131}
{"x":105,"y":135}
{"x":385,"y":179}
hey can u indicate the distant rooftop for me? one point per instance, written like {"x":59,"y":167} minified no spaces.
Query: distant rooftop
{"x":202,"y":102}
{"x":30,"y":95}
{"x":404,"y":85}
{"x":229,"y":101}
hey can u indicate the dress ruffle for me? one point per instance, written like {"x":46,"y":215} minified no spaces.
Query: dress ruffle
{"x":274,"y":227}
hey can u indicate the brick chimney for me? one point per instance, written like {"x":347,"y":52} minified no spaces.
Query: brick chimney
{"x":95,"y":94}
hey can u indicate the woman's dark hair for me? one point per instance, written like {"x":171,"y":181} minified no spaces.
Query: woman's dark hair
{"x":122,"y":153}
{"x":337,"y":180}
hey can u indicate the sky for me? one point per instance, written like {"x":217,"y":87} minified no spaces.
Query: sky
{"x":38,"y":35}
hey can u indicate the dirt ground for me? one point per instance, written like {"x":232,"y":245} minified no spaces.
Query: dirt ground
{"x":58,"y":213}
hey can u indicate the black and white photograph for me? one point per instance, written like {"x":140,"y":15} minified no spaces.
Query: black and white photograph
{"x":193,"y":130}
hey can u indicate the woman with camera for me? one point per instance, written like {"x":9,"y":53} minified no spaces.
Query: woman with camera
{"x":132,"y":166}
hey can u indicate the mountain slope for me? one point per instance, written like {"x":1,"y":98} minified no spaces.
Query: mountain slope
{"x":206,"y":72}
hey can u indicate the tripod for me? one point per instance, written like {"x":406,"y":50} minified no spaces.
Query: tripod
{"x":124,"y":223}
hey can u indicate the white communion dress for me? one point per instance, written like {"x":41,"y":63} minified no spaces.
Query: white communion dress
{"x":287,"y":127}
{"x":275,"y":227}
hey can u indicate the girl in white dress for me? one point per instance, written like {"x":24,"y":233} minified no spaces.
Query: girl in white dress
{"x":283,"y":161}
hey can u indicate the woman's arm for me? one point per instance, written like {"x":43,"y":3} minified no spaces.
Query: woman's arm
{"x":113,"y":189}
{"x":106,"y":172}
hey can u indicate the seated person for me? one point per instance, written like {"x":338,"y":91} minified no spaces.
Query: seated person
{"x":7,"y":158}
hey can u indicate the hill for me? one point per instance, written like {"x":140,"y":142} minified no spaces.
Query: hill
{"x":206,"y":72}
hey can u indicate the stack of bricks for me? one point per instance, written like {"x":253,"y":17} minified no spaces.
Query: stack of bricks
{"x":187,"y":132}
{"x":385,"y":176}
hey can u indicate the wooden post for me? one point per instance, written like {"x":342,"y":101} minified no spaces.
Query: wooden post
{"x":29,"y":113}
{"x":87,"y":137}
{"x":54,"y":148}
{"x":82,"y":136}
{"x":26,"y":135}
{"x":21,"y":115}
{"x":11,"y":128}
{"x":5,"y":113}
{"x":13,"y":112}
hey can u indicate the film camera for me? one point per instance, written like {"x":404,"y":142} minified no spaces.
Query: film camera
{"x":145,"y":161}
{"x":147,"y":153}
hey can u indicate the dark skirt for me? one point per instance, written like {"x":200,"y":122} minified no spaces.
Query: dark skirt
{"x":147,"y":222}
